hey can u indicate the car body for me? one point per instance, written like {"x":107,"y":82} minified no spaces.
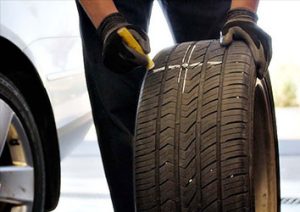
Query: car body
{"x":41,"y":55}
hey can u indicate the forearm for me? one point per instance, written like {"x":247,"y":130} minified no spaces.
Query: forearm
{"x":247,"y":4}
{"x":97,"y":10}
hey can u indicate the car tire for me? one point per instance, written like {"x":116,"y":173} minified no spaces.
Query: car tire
{"x":22,"y":171}
{"x":205,"y":136}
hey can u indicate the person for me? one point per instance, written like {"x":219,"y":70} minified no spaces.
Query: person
{"x":114,"y":71}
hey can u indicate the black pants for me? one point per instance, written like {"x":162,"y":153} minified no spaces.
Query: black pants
{"x":114,"y":97}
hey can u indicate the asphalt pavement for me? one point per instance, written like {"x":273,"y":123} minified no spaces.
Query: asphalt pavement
{"x":84,"y":186}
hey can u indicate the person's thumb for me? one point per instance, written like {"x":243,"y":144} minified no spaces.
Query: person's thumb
{"x":227,"y":39}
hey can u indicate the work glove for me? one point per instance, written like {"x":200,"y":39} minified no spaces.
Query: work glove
{"x":241,"y":25}
{"x":117,"y":55}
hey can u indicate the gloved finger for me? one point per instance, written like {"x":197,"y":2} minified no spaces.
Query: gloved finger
{"x":266,"y":42}
{"x":263,"y":66}
{"x":257,"y":50}
{"x":132,"y":56}
{"x":142,"y":39}
{"x":123,"y":60}
{"x":226,"y":40}
{"x":138,"y":59}
{"x":262,"y":69}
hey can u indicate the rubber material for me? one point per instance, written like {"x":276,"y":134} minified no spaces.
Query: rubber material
{"x":195,"y":131}
{"x":13,"y":97}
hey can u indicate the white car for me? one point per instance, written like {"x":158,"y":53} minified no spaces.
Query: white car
{"x":44,"y":105}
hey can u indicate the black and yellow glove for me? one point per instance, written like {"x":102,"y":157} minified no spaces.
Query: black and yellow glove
{"x":117,"y":55}
{"x":241,"y":25}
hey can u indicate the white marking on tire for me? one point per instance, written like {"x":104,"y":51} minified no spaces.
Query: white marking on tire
{"x":185,"y":66}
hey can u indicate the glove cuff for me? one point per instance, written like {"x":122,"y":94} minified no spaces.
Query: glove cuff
{"x":241,"y":13}
{"x":109,"y":24}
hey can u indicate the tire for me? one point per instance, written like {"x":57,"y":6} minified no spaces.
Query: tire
{"x":22,"y":171}
{"x":205,"y":136}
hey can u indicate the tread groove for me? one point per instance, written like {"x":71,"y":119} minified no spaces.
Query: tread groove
{"x":219,"y":133}
{"x":181,"y":80}
{"x":199,"y":124}
{"x":194,"y":133}
{"x":157,"y":136}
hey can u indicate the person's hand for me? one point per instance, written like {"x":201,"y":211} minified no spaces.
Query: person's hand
{"x":117,"y":55}
{"x":241,"y":25}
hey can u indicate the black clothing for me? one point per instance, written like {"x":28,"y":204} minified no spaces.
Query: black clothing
{"x":114,"y":96}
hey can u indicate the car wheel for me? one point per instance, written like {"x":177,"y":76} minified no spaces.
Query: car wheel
{"x":206,"y":136}
{"x":22,"y":175}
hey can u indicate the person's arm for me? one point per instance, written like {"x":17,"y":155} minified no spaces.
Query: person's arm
{"x":241,"y":24}
{"x":117,"y":55}
{"x":246,"y":4}
{"x":97,"y":10}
